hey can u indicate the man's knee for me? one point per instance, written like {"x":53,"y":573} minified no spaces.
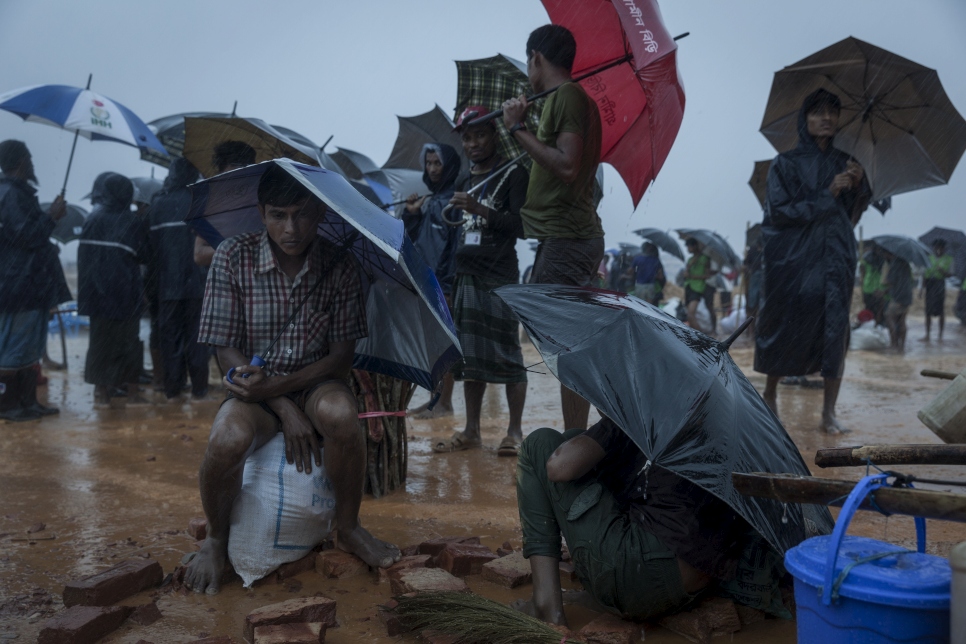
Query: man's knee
{"x":539,"y":445}
{"x":337,"y":414}
{"x":232,"y":435}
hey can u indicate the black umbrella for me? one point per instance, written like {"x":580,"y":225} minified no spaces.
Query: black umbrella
{"x":955,"y":246}
{"x":69,"y":227}
{"x":325,"y":160}
{"x":145,"y":188}
{"x":662,"y":240}
{"x":759,"y":180}
{"x":907,"y":248}
{"x":170,"y":131}
{"x":674,"y":391}
{"x":752,"y":236}
{"x":715,"y":246}
{"x":433,"y":126}
{"x":896,"y":118}
{"x":355,"y":165}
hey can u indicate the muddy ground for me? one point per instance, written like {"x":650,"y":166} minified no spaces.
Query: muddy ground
{"x":114,"y":483}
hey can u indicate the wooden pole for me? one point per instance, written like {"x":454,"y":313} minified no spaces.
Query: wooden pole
{"x":944,"y":375}
{"x":892,"y":455}
{"x":792,"y":488}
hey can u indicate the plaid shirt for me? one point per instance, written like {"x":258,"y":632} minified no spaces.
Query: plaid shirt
{"x":248,"y":299}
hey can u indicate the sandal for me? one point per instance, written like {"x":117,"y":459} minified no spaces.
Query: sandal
{"x":509,"y":446}
{"x":457,"y":443}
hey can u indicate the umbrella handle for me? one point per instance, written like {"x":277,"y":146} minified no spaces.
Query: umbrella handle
{"x":257,"y":361}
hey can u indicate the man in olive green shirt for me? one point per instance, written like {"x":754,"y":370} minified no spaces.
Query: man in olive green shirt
{"x":934,"y":286}
{"x":559,"y":210}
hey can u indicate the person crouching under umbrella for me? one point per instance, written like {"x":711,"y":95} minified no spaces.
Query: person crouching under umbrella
{"x":644,"y":542}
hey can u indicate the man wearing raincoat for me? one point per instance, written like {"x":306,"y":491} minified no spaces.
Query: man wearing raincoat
{"x":816,"y":195}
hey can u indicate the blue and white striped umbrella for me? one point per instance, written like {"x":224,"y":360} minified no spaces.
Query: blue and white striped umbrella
{"x":80,"y":110}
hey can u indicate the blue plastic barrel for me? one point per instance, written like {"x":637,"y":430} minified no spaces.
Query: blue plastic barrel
{"x":865,"y":591}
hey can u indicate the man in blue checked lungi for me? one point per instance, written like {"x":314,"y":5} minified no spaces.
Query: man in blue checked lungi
{"x":486,"y":259}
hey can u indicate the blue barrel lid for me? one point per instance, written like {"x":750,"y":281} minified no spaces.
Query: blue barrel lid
{"x":910,"y":580}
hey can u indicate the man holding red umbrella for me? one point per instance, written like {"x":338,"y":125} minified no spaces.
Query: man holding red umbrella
{"x":559,"y":210}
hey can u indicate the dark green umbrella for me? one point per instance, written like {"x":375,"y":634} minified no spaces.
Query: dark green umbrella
{"x":907,"y":248}
{"x":955,"y":246}
{"x":715,"y":246}
{"x":662,"y":240}
{"x":69,"y":227}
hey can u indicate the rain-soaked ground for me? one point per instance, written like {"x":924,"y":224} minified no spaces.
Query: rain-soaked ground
{"x":115,"y":483}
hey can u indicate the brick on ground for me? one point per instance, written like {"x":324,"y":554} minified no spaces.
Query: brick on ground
{"x":691,"y":625}
{"x":509,"y":571}
{"x":749,"y":615}
{"x":299,"y":633}
{"x":435,"y":546}
{"x":394,"y":625}
{"x":721,"y":615}
{"x":146,"y":614}
{"x":339,"y":564}
{"x":198,"y":528}
{"x":301,"y":609}
{"x":293,"y":568}
{"x":114,"y":584}
{"x":462,"y":559}
{"x":421,"y":580}
{"x":82,"y":624}
{"x":414,"y":561}
{"x":610,"y":629}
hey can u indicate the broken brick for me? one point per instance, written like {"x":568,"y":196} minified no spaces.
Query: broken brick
{"x":302,"y":609}
{"x":462,"y":559}
{"x":415,"y":561}
{"x":509,"y":571}
{"x":609,"y":629}
{"x":409,"y":551}
{"x":293,"y":568}
{"x":298,"y":633}
{"x":690,"y":625}
{"x":146,"y":614}
{"x":721,"y":615}
{"x":420,"y":580}
{"x":198,"y":528}
{"x":567,"y":570}
{"x":339,"y":564}
{"x":82,"y":624}
{"x":435,"y":546}
{"x":114,"y":584}
{"x":748,"y":615}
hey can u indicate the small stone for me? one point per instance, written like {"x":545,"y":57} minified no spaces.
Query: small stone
{"x":339,"y":564}
{"x":414,"y":561}
{"x":409,"y":551}
{"x":82,"y":624}
{"x":151,"y":458}
{"x":609,"y":629}
{"x":462,"y":559}
{"x":198,"y":528}
{"x":299,"y":633}
{"x":394,"y":625}
{"x":435,"y":546}
{"x":146,"y":614}
{"x":748,"y":615}
{"x":509,"y":571}
{"x":37,"y":527}
{"x":114,"y":584}
{"x":302,"y":609}
{"x":420,"y":580}
{"x":293,"y":568}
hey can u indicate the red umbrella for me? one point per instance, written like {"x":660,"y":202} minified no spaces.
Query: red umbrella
{"x":641,"y":102}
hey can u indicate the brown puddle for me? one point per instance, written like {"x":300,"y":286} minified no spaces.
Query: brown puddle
{"x":86,"y":475}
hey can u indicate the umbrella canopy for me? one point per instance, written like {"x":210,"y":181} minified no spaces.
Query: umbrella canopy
{"x":759,"y":180}
{"x":170,"y":132}
{"x":325,"y":160}
{"x":490,"y":82}
{"x":145,"y":187}
{"x":411,"y":333}
{"x":715,"y":246}
{"x":204,"y":134}
{"x":354,"y":165}
{"x":673,"y":390}
{"x":632,"y":250}
{"x":69,"y":227}
{"x":662,"y":240}
{"x":416,"y":131}
{"x":401,"y":182}
{"x":907,"y":248}
{"x":955,"y":246}
{"x":641,"y":102}
{"x":896,"y":118}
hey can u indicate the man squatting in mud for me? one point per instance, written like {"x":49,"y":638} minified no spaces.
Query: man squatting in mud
{"x":256,"y":280}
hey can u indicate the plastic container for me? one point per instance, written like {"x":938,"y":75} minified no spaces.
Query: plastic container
{"x":946,"y":413}
{"x":865,"y":591}
{"x":957,"y":629}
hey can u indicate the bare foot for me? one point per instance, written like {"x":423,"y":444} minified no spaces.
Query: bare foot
{"x":375,"y":552}
{"x":439,"y":411}
{"x":529,"y":607}
{"x":771,"y":403}
{"x":830,"y":425}
{"x":203,"y":573}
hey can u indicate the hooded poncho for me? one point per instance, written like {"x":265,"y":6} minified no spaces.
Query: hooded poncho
{"x":809,"y":259}
{"x":172,"y":241}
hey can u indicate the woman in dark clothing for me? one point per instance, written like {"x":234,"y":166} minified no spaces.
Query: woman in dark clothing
{"x":113,"y":244}
{"x":816,"y":195}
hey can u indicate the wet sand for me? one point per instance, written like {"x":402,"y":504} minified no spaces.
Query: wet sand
{"x":112,"y":483}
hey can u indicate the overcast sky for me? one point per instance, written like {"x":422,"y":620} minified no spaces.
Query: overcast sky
{"x":347,"y":68}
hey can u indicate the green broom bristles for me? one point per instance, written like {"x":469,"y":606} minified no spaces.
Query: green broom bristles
{"x":472,"y":619}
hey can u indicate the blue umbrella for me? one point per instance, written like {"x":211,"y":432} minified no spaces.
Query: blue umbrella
{"x":82,"y":112}
{"x":411,"y":332}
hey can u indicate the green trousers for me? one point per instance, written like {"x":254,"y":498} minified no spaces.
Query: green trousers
{"x":627,"y":569}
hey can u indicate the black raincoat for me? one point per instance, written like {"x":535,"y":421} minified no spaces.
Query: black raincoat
{"x":810,"y":256}
{"x":113,"y":243}
{"x":172,"y":241}
{"x":31,"y":277}
{"x":434,"y":240}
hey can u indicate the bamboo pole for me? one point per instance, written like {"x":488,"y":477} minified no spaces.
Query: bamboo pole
{"x":892,"y":455}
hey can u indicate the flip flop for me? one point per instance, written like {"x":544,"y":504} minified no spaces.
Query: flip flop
{"x":509,"y":446}
{"x":457,"y":443}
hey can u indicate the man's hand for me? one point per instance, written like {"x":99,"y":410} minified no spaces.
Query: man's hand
{"x":840,"y":182}
{"x":301,"y":441}
{"x":58,"y":208}
{"x":514,"y":110}
{"x":855,"y":170}
{"x":468,"y":203}
{"x":255,"y":388}
{"x":414,"y":202}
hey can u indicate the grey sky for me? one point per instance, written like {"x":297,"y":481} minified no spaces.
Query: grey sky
{"x":347,"y":68}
